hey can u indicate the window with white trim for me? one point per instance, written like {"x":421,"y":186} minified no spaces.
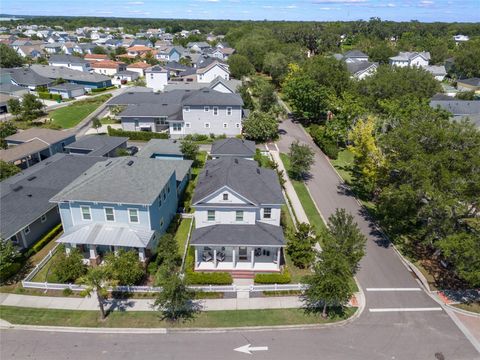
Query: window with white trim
{"x":239,"y":215}
{"x":215,"y":110}
{"x":211,"y":215}
{"x":206,"y":108}
{"x":237,"y":125}
{"x":225,"y":125}
{"x":109,"y":214}
{"x":186,"y":108}
{"x":86,"y":214}
{"x":207,"y":125}
{"x":133,"y":215}
{"x":267,"y":213}
{"x":229,"y":111}
{"x":26,"y":231}
{"x":225,"y":196}
{"x":160,"y":200}
{"x":43,"y":218}
{"x":177,"y":126}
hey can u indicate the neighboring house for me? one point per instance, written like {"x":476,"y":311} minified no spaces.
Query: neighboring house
{"x":164,"y":149}
{"x":212,"y":71}
{"x":156,"y":78}
{"x":168,"y":53}
{"x":33,"y":51}
{"x":138,"y":67}
{"x":27,"y":78}
{"x":108,"y":67}
{"x":125,"y":202}
{"x":458,"y":108}
{"x":471,"y":84}
{"x":53,"y":48}
{"x":137,"y":50}
{"x":12,"y":90}
{"x":97,"y":145}
{"x":182,"y":112}
{"x":237,"y":217}
{"x":174,"y":68}
{"x":460,"y":38}
{"x":4,"y":98}
{"x":67,"y":90}
{"x":87,"y":80}
{"x":123,"y":77}
{"x":26,"y":148}
{"x":360,"y":69}
{"x":69,"y":61}
{"x":198,"y":46}
{"x":352,"y":56}
{"x":26,"y":214}
{"x":438,"y":71}
{"x":403,"y":59}
{"x":233,"y":147}
{"x":91,"y":58}
{"x":226,"y":86}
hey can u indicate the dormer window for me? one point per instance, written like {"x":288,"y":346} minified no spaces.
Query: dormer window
{"x":225,"y":197}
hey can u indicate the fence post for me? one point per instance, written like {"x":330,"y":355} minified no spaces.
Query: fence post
{"x":276,"y":287}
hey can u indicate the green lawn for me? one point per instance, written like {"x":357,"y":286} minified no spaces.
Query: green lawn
{"x":473,"y":307}
{"x":45,"y":273}
{"x":182,"y":233}
{"x":70,"y":116}
{"x":343,"y":164}
{"x":304,"y":196}
{"x":145,"y":319}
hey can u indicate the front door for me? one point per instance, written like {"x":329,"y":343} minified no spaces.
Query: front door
{"x":242,"y":253}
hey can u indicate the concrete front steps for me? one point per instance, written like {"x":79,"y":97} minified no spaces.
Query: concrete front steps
{"x":242,"y":274}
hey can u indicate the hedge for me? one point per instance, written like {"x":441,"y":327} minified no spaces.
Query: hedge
{"x":48,"y":96}
{"x":45,"y":240}
{"x":103,"y":89}
{"x":137,"y":135}
{"x":274,"y":278}
{"x":202,"y":278}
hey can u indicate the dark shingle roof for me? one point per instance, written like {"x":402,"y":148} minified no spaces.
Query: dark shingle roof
{"x":471,"y":81}
{"x":98,"y":144}
{"x":27,"y":77}
{"x":260,"y":234}
{"x":160,"y":146}
{"x":25,"y":196}
{"x":258,"y":185}
{"x":67,"y":59}
{"x":233,"y":147}
{"x":357,"y":66}
{"x":211,"y":97}
{"x":458,"y":107}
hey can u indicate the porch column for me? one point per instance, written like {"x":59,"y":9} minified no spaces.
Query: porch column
{"x":234,"y":258}
{"x":141,"y":254}
{"x":196,"y":258}
{"x":215,"y":258}
{"x":115,"y":250}
{"x":279,"y":251}
{"x":93,"y":252}
{"x":252,"y":257}
{"x":68,"y":249}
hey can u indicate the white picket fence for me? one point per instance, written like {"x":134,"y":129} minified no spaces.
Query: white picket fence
{"x":151,"y":289}
{"x":41,"y":264}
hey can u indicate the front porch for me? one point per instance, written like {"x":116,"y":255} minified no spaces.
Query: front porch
{"x":93,"y":255}
{"x":237,"y":258}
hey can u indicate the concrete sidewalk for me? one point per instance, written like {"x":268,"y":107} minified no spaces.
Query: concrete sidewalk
{"x":290,"y":190}
{"x":77,"y":303}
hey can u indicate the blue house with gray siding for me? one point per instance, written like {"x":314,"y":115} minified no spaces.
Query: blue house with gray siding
{"x":125,"y":202}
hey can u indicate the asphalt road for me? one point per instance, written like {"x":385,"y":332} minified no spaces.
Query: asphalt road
{"x":392,"y":335}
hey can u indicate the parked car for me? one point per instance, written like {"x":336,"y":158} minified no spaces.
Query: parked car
{"x":132,"y":150}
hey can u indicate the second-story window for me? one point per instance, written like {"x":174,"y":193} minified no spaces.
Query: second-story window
{"x":206,"y":108}
{"x":133,"y":215}
{"x":109,"y":214}
{"x":267,"y":213}
{"x":186,"y":108}
{"x":215,"y":110}
{"x":229,"y":111}
{"x":211,"y":215}
{"x":86,"y":215}
{"x":238,"y":215}
{"x":225,"y":197}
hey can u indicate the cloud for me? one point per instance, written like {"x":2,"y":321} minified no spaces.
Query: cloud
{"x":135,"y":3}
{"x":425,"y":3}
{"x":329,"y":8}
{"x":291,"y":7}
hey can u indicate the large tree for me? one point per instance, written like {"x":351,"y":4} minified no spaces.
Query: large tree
{"x":8,"y":257}
{"x":124,"y":267}
{"x":301,"y":160}
{"x":276,"y":65}
{"x":300,"y":246}
{"x":240,"y":66}
{"x":97,"y":281}
{"x":260,"y":126}
{"x":329,"y":286}
{"x":467,"y":62}
{"x":189,"y":149}
{"x":69,"y":267}
{"x":9,"y":57}
{"x":344,"y":236}
{"x":7,"y":170}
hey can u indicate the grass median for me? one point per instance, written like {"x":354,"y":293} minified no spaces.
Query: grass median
{"x":149,"y":319}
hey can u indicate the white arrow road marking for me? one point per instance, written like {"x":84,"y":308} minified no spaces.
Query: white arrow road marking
{"x":406,"y":309}
{"x":394,"y":289}
{"x":247,"y":349}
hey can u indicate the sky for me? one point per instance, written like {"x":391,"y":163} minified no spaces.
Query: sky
{"x":303,"y":10}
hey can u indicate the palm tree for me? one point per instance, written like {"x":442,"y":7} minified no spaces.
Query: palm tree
{"x":97,"y":280}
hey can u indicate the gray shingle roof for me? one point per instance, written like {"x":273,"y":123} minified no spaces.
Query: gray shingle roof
{"x":24,"y":200}
{"x":458,"y":107}
{"x":125,"y":180}
{"x":67,"y":59}
{"x":233,"y":147}
{"x":48,"y":136}
{"x":55,"y":72}
{"x":160,"y":146}
{"x":98,"y":144}
{"x":358,"y":66}
{"x":27,"y":77}
{"x":258,"y":185}
{"x":471,"y":81}
{"x":211,"y":97}
{"x":171,"y":111}
{"x":66,"y":87}
{"x":260,"y":234}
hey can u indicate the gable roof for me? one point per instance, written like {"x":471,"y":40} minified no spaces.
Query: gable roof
{"x":471,"y":81}
{"x":27,"y":77}
{"x":107,"y":64}
{"x":208,"y":96}
{"x":25,"y":196}
{"x":356,"y":67}
{"x":48,"y":136}
{"x":233,"y":147}
{"x":138,"y":65}
{"x":160,"y":146}
{"x":55,"y":72}
{"x":408,"y":56}
{"x":97,"y":144}
{"x":69,"y":59}
{"x":457,"y":107}
{"x":245,"y":177}
{"x":124,"y":180}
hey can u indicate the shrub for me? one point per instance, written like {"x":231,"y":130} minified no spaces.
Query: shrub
{"x":274,"y":278}
{"x":103,"y":89}
{"x":137,"y":135}
{"x":45,"y":240}
{"x":196,"y":137}
{"x":201,"y":278}
{"x":48,"y":96}
{"x":124,"y":267}
{"x":68,"y":268}
{"x":67,"y":292}
{"x":328,"y":145}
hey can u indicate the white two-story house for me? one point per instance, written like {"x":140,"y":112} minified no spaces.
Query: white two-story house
{"x":404,"y":59}
{"x":237,"y":217}
{"x":69,"y":61}
{"x":122,"y":203}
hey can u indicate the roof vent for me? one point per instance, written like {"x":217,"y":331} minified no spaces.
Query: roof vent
{"x":236,"y":161}
{"x":108,"y":163}
{"x":174,"y":141}
{"x":130,"y":93}
{"x":29,"y":195}
{"x":18,"y":188}
{"x":31,"y":178}
{"x":130,"y":163}
{"x":258,"y":171}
